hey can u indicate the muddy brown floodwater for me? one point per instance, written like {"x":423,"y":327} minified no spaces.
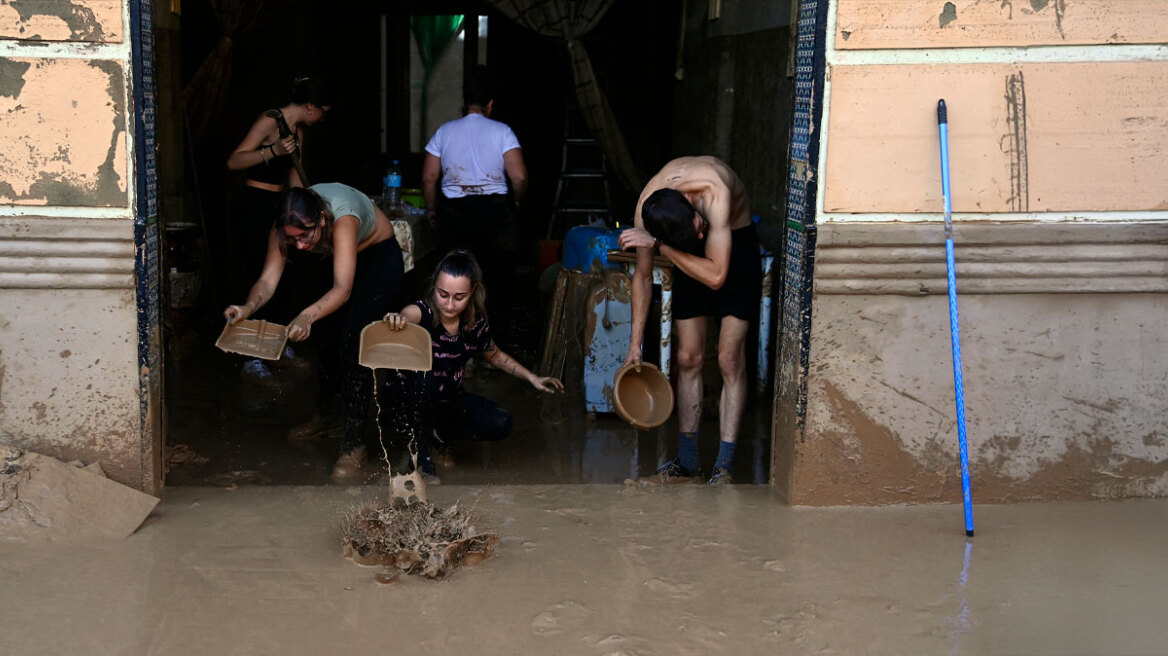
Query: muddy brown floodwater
{"x":602,"y":569}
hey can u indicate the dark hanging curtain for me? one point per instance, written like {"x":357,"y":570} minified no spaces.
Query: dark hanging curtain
{"x":205,"y":96}
{"x":432,"y":34}
{"x":570,"y":20}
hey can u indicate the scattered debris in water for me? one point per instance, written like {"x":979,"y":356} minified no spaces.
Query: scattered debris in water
{"x":413,"y":538}
{"x":181,"y":454}
{"x":408,"y":534}
{"x":236,"y":477}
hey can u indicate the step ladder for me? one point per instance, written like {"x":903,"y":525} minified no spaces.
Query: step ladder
{"x":582,"y":194}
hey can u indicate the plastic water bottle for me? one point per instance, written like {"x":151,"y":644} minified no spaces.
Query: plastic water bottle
{"x":391,"y":187}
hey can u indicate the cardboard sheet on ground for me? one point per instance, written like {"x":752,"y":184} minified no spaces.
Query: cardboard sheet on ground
{"x":40,"y":495}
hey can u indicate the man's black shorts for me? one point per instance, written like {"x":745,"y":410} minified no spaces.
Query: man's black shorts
{"x":740,"y":294}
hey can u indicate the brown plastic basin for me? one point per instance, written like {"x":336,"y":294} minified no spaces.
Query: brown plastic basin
{"x":256,"y":338}
{"x":384,"y":348}
{"x":643,"y":398}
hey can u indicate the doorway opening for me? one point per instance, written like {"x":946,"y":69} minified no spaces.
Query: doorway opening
{"x":679,"y":82}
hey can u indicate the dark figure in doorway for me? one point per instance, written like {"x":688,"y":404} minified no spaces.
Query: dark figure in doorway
{"x":264,"y":159}
{"x":367,"y":267}
{"x":695,"y":212}
{"x":474,"y":157}
{"x":454,"y":312}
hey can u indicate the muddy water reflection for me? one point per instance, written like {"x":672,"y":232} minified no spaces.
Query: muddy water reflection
{"x":238,"y":420}
{"x":963,"y":621}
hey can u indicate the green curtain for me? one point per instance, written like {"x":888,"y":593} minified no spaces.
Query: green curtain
{"x":432,"y":34}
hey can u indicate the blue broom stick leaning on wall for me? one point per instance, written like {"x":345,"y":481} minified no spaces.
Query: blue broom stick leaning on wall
{"x":954,"y":326}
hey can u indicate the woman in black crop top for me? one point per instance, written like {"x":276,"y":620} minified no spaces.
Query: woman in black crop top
{"x":263,"y":157}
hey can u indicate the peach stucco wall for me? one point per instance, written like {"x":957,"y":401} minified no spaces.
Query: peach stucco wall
{"x":1058,"y":120}
{"x":869,"y":24}
{"x":1092,"y":137}
{"x":64,"y":132}
{"x":93,"y":21}
{"x":69,"y":375}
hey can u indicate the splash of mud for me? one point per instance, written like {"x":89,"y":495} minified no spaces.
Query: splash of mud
{"x":414,"y":538}
{"x":408,"y":534}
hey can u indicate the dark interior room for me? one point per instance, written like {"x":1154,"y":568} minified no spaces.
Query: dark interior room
{"x":677,"y":83}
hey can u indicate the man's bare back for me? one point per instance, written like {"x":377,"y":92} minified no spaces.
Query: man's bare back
{"x":705,"y":181}
{"x":720,"y":276}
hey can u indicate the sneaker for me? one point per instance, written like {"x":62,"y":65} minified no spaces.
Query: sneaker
{"x":316,"y":427}
{"x":431,"y":479}
{"x":257,"y":374}
{"x":720,"y":477}
{"x":289,"y":360}
{"x":349,"y":465}
{"x":673,"y":472}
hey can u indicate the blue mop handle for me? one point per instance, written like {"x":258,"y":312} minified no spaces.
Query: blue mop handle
{"x":954,"y":325}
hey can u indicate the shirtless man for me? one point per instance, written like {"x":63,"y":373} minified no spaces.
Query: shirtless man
{"x":695,"y":212}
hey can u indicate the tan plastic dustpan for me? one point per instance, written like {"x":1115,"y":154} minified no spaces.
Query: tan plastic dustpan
{"x":259,"y":339}
{"x":384,"y":348}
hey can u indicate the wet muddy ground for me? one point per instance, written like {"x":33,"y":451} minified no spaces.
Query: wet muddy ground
{"x":238,"y":421}
{"x":244,"y":554}
{"x":602,"y":569}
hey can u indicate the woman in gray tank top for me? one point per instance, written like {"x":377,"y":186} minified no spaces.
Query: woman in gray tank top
{"x":337,"y":221}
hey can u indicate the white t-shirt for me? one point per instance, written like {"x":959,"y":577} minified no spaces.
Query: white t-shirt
{"x":471,"y":149}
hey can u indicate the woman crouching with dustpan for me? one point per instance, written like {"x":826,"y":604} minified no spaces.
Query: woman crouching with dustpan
{"x":454,"y":312}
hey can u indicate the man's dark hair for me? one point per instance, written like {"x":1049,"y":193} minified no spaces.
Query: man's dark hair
{"x":668,"y":216}
{"x":479,"y":88}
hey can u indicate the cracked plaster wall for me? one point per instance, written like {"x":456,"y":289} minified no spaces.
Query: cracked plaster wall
{"x":869,"y":24}
{"x":69,"y":376}
{"x":1063,"y":395}
{"x":1062,"y":314}
{"x":58,"y":20}
{"x":68,"y":379}
{"x":63,"y":132}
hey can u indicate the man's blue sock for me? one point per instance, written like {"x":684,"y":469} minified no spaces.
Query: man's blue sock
{"x":687,"y":450}
{"x":725,"y":455}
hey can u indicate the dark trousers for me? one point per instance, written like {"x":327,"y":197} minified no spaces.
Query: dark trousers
{"x":375,"y":289}
{"x":467,"y":416}
{"x":487,"y":226}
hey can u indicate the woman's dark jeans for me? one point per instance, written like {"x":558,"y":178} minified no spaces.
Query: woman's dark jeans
{"x":467,"y":416}
{"x":375,"y":288}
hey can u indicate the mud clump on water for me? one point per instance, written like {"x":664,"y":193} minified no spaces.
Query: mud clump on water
{"x":415,"y":538}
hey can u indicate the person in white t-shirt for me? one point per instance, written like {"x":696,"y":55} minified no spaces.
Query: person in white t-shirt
{"x":474,"y":157}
